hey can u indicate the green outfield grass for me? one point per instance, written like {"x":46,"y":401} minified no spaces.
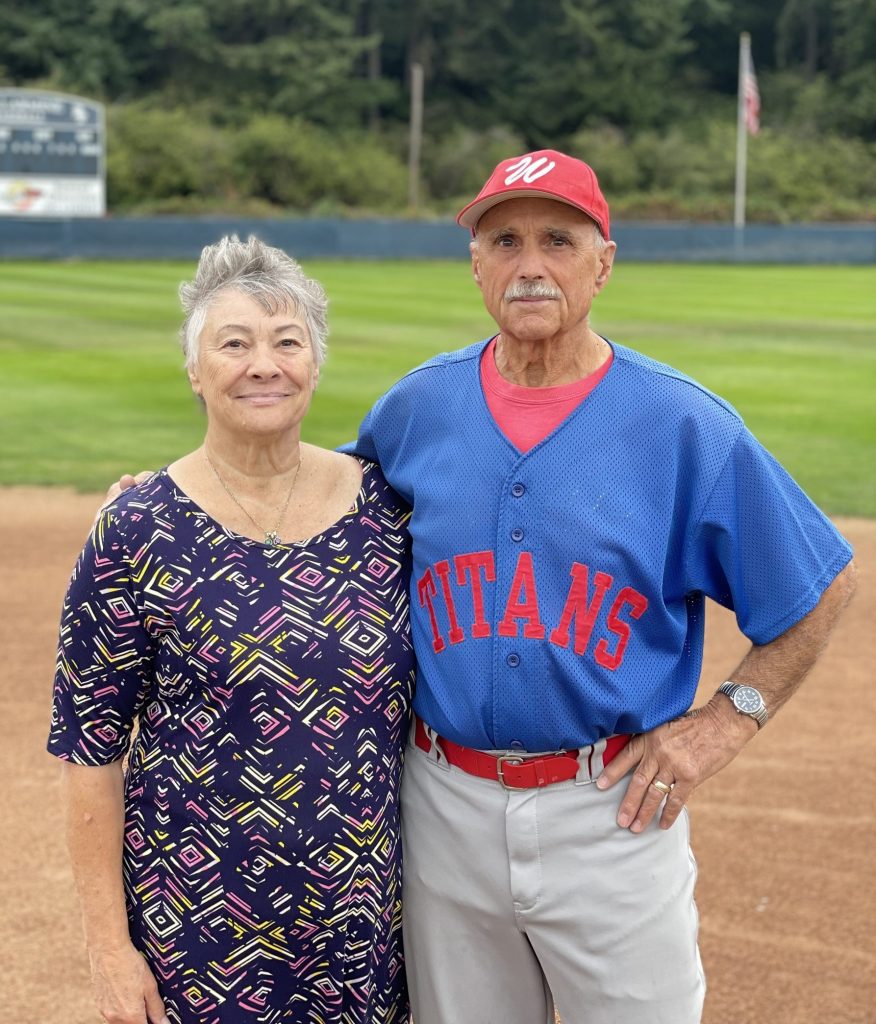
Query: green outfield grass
{"x":92,"y":383}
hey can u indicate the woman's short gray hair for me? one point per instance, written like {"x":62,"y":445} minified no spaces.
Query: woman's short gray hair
{"x":272,"y":278}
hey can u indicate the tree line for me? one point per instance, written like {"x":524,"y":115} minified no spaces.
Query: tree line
{"x":291,"y":105}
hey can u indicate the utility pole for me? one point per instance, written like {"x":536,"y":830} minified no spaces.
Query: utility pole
{"x":416,"y":136}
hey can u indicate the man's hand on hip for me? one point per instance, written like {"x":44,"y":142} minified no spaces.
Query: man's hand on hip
{"x":673,"y":759}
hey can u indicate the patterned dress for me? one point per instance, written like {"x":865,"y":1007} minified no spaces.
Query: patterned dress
{"x":270,"y":689}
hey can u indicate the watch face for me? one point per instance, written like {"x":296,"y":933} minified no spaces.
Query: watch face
{"x":748,"y":700}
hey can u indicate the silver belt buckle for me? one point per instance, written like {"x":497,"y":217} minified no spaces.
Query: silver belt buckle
{"x":503,"y":759}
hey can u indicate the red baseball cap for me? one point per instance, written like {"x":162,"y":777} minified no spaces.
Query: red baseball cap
{"x":545,"y":173}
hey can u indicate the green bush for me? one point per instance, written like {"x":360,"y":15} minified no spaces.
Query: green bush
{"x":456,"y":165}
{"x":608,"y":151}
{"x":281,"y":161}
{"x":183,"y":161}
{"x":371,"y":176}
{"x":179,"y":161}
{"x":688,"y":173}
{"x":809,"y":173}
{"x":297,"y":166}
{"x":155,"y":155}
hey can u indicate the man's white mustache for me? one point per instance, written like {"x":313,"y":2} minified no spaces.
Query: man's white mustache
{"x":531,"y":290}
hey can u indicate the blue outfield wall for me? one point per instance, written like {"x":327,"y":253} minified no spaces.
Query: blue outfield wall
{"x":173,"y":238}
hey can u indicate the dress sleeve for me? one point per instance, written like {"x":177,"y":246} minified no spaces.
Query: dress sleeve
{"x":760,"y":546}
{"x":104,"y":667}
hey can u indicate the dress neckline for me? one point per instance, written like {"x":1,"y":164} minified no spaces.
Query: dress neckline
{"x":183,"y":498}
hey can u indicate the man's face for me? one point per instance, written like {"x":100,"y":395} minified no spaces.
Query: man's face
{"x":539,"y":264}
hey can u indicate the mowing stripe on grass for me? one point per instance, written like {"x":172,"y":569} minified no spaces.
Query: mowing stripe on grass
{"x":92,"y":380}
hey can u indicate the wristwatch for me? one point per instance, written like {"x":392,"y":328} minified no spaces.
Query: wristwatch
{"x":747,"y":701}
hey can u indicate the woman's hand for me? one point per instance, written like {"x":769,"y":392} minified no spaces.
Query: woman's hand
{"x":125,"y":989}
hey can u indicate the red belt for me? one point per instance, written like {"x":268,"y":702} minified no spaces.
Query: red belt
{"x":516,"y":771}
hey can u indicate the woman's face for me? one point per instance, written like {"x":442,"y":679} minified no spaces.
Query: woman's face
{"x":255,"y":371}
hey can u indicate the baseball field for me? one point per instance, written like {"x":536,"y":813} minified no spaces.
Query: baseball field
{"x":92,"y":385}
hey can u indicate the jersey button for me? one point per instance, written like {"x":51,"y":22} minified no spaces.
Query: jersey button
{"x":517,"y":534}
{"x":518,"y":490}
{"x":513,"y":660}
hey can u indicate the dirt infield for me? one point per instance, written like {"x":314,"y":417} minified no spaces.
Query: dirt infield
{"x":784,"y":837}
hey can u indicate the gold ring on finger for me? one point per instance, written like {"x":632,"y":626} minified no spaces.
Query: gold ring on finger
{"x":664,"y":787}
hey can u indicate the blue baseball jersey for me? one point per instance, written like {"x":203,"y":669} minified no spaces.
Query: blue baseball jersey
{"x":558,"y":595}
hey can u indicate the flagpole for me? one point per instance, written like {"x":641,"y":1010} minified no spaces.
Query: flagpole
{"x":741,"y":132}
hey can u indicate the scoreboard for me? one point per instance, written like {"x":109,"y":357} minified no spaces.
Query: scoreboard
{"x":52,"y":155}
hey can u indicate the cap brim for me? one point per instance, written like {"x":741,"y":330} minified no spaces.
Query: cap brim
{"x":470,"y":215}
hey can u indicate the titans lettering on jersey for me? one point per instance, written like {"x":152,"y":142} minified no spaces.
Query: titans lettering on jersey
{"x":521,"y":617}
{"x":557,"y":596}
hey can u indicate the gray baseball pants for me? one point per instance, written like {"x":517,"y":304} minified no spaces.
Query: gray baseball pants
{"x":517,"y":902}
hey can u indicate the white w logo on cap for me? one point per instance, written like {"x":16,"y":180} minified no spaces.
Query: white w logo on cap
{"x":529,"y":170}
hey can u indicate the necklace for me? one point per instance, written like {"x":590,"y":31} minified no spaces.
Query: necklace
{"x":272,"y":537}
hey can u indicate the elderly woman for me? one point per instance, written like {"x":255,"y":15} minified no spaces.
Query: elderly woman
{"x":246,"y":610}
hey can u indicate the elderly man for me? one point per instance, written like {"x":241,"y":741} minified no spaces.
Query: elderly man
{"x":574,"y":505}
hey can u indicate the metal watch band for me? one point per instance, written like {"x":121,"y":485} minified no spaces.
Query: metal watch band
{"x":760,"y":716}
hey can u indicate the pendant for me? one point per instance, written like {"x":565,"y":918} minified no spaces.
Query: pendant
{"x":272,"y":538}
